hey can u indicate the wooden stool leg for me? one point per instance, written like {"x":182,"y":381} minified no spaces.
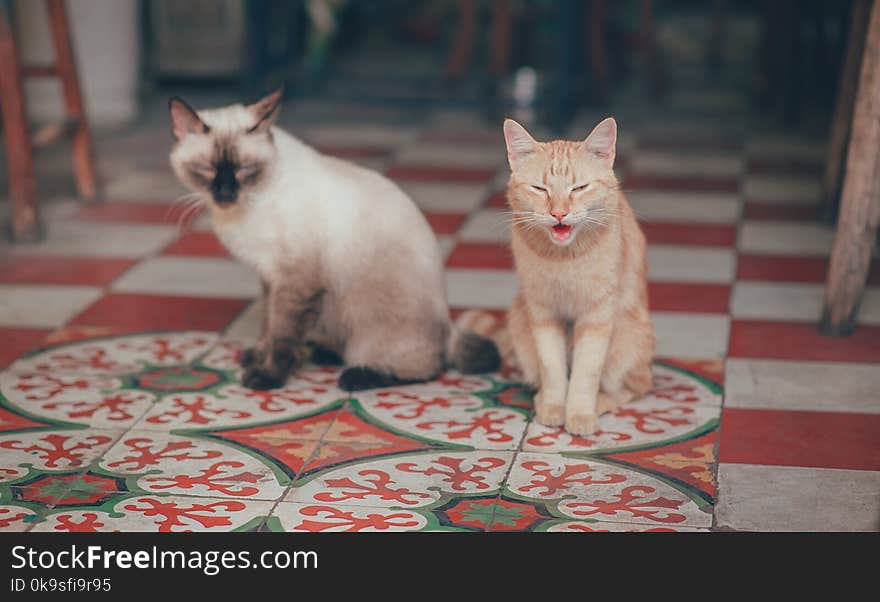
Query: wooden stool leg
{"x":463,"y":45}
{"x":83,"y":150}
{"x":22,"y":186}
{"x":846,"y":94}
{"x":860,"y":201}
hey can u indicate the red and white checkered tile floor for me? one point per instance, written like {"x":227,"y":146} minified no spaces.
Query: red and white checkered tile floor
{"x":736,"y":268}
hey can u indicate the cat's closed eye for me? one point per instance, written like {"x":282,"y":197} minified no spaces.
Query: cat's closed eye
{"x":540,"y":189}
{"x":582,"y":187}
{"x":202,"y":169}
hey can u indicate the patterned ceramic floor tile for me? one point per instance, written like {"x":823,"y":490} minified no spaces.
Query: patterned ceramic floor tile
{"x":575,"y":526}
{"x":24,"y":455}
{"x":407,"y":481}
{"x":600,"y":490}
{"x":473,"y":416}
{"x":329,"y":518}
{"x":156,"y":462}
{"x":17,"y":518}
{"x":159,"y":513}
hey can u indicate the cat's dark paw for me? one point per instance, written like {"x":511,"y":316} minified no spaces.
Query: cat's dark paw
{"x":358,"y":378}
{"x":323,"y":356}
{"x":248,"y":357}
{"x":257,"y":377}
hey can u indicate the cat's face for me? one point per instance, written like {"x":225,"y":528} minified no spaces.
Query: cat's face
{"x":223,"y":154}
{"x":562,"y":187}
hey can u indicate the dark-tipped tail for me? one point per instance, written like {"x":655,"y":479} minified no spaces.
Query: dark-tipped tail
{"x":471,"y":353}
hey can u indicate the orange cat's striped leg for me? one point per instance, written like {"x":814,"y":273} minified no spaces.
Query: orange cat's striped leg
{"x":550,"y":401}
{"x":590,"y":346}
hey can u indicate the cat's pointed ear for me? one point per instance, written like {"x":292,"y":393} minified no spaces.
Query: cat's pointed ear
{"x":519,"y":142}
{"x":602,"y":141}
{"x":266,"y":111}
{"x":184,"y":120}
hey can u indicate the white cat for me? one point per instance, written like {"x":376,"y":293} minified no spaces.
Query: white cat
{"x":348,"y":262}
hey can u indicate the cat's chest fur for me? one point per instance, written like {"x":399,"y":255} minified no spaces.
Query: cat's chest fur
{"x":252,"y":237}
{"x":566,"y":287}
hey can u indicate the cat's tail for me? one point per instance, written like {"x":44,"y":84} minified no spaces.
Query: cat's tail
{"x":477,"y":343}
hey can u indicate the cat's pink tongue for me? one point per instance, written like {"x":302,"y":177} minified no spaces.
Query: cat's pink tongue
{"x":561,"y":232}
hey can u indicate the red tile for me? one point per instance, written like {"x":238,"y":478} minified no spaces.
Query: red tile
{"x":204,"y":244}
{"x":352,"y":152}
{"x":445,"y":223}
{"x":811,"y":439}
{"x":18,"y":341}
{"x":689,"y":234}
{"x":143,"y":212}
{"x":498,"y":314}
{"x":690,"y":142}
{"x":83,"y":271}
{"x":785,"y":165}
{"x":802,"y":341}
{"x":480,"y":255}
{"x":450,"y":174}
{"x":653,"y":182}
{"x":791,"y":269}
{"x":755,"y":210}
{"x":498,"y":200}
{"x":463,"y":137}
{"x":679,"y":296}
{"x":154,"y":312}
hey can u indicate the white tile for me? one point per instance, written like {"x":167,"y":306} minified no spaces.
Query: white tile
{"x":783,"y":498}
{"x":776,"y":146}
{"x":489,"y":226}
{"x":159,"y":186}
{"x":481,"y":288}
{"x":43,"y":306}
{"x":782,"y":238}
{"x":97,"y":239}
{"x":451,"y":155}
{"x":794,"y":301}
{"x":788,"y":385}
{"x":358,"y":135}
{"x":690,"y":335}
{"x":446,"y":244}
{"x":683,"y":207}
{"x":673,"y":263}
{"x":683,"y":164}
{"x":248,"y":326}
{"x":442,"y":197}
{"x":190,"y":276}
{"x":783,"y":189}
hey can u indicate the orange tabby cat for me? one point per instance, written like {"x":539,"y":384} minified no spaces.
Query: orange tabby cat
{"x":579,"y":325}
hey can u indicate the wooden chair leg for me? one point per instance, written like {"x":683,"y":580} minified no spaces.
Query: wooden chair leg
{"x":859,"y":218}
{"x":502,"y":31}
{"x":463,"y":45}
{"x":83,"y":148}
{"x":22,"y":186}
{"x":846,"y":94}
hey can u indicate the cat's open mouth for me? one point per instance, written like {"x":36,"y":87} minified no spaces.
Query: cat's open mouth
{"x":561,"y":232}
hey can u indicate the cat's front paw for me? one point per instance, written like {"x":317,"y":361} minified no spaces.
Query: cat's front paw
{"x":548,"y":413}
{"x":581,"y":425}
{"x":250,"y":356}
{"x":258,"y":377}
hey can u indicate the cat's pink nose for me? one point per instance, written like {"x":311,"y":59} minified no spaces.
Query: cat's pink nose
{"x":559,"y":215}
